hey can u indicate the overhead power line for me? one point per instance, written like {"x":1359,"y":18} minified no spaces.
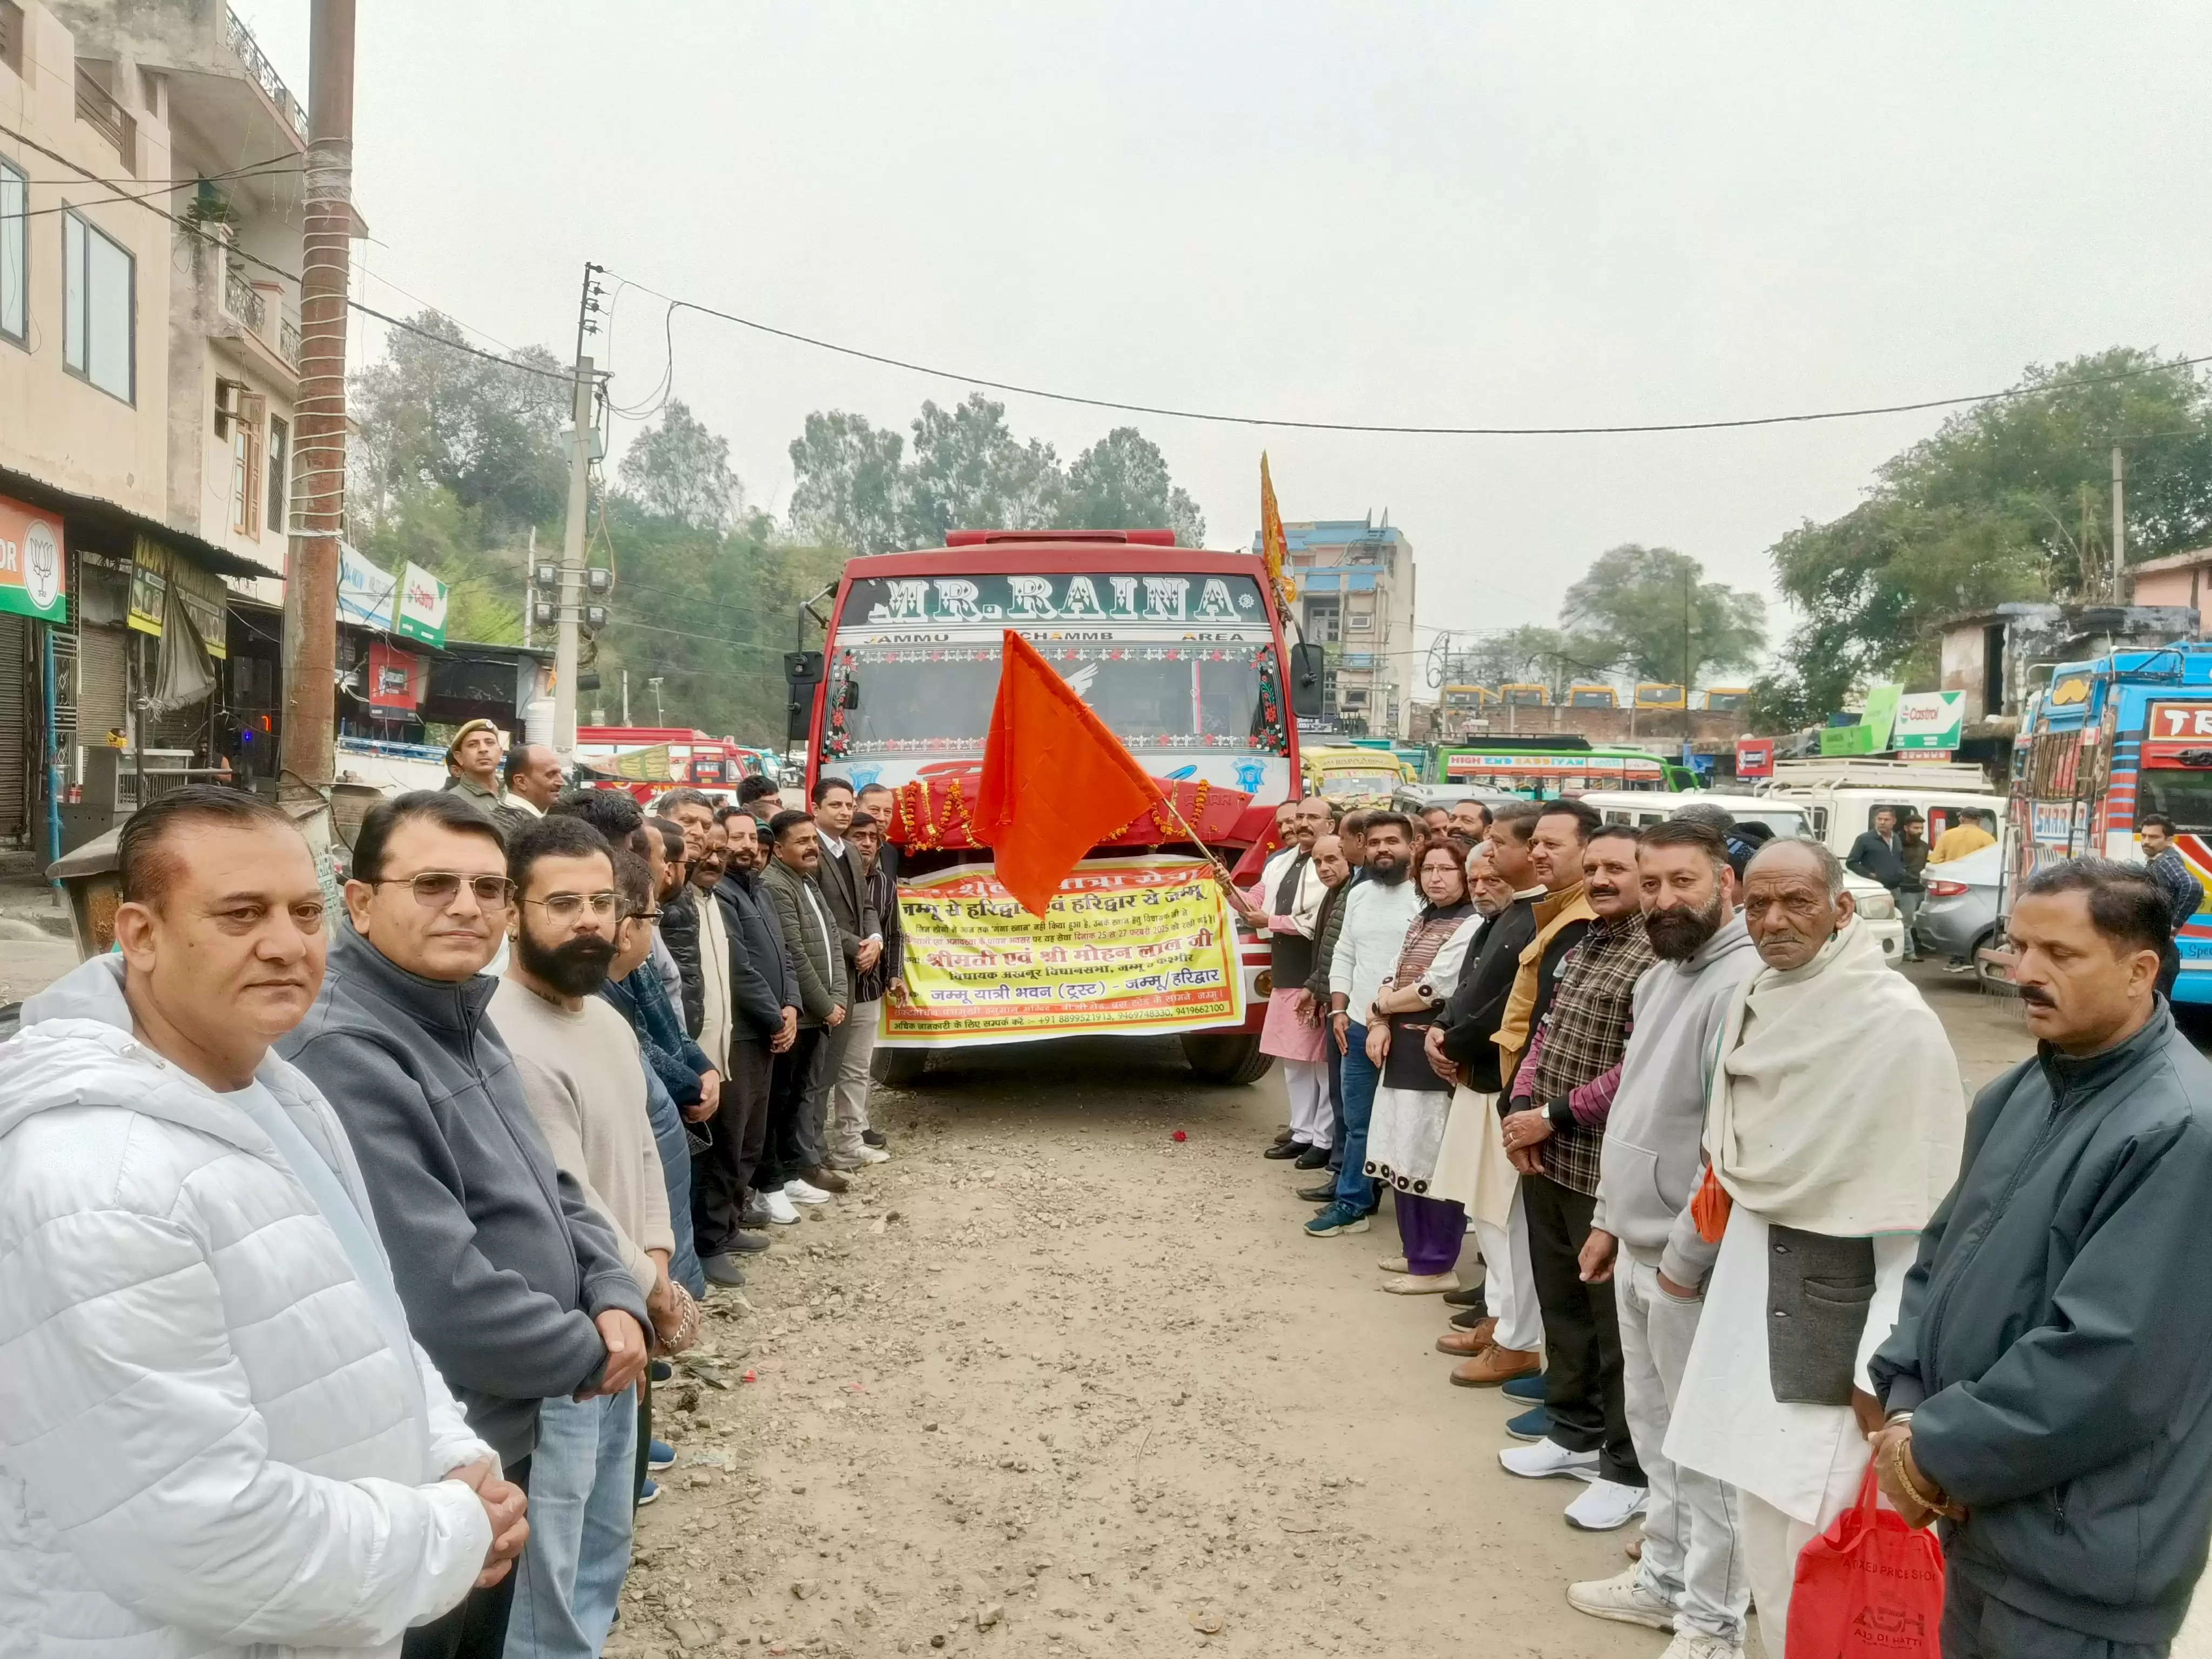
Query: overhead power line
{"x":1217,"y":417}
{"x":191,"y":229}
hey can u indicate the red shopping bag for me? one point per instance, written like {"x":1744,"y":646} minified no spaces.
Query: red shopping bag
{"x":1868,"y":1588}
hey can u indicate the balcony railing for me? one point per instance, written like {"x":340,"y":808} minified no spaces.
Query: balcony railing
{"x":265,"y":75}
{"x":288,"y":340}
{"x":96,"y":106}
{"x":239,"y":299}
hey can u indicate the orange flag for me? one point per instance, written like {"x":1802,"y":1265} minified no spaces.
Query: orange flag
{"x":1056,"y":783}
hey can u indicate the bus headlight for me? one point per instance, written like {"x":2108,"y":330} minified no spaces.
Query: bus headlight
{"x":1265,"y":985}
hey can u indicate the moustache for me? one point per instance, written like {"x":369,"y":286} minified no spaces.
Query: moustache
{"x":2036,"y":997}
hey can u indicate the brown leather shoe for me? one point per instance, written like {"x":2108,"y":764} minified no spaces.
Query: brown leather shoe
{"x":1494,"y":1365}
{"x":1467,"y":1342}
{"x":830,"y":1181}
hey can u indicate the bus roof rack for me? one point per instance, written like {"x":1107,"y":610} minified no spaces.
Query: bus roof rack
{"x":1496,"y":745}
{"x":1864,"y":772}
{"x":1136,"y":537}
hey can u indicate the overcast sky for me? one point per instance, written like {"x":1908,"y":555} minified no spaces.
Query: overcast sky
{"x":1464,"y":213}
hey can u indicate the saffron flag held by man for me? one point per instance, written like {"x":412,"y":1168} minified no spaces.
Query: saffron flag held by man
{"x":1055,"y":783}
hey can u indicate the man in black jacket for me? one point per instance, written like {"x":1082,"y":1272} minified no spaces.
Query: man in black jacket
{"x":763,"y":1023}
{"x":1878,"y":854}
{"x":2046,"y":1386}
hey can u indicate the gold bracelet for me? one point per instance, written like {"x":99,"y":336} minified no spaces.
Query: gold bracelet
{"x":1933,"y":1505}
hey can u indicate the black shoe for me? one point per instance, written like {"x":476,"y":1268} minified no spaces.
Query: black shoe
{"x":660,"y":1369}
{"x":1313,"y":1158}
{"x":1470,"y":1298}
{"x":1289,"y":1149}
{"x":1324,"y":1194}
{"x":742,"y":1242}
{"x":1468,"y":1318}
{"x":875,"y":1138}
{"x":722,"y":1269}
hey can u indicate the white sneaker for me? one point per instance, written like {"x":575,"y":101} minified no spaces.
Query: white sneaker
{"x":1540,"y":1459}
{"x":781,"y":1210}
{"x":1695,"y":1645}
{"x":1607,"y":1507}
{"x":866,"y":1156}
{"x":799,"y":1192}
{"x":1621,"y":1598}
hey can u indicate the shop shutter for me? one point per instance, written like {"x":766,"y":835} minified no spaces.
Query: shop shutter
{"x":16,"y":731}
{"x":100,"y":686}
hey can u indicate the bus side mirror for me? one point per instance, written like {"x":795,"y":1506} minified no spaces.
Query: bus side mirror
{"x":802,"y":671}
{"x":802,"y":667}
{"x":1308,"y":663}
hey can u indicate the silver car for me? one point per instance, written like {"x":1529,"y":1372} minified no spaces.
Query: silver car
{"x":1958,"y":917}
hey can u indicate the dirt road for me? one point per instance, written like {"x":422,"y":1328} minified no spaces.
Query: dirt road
{"x":1052,"y":1383}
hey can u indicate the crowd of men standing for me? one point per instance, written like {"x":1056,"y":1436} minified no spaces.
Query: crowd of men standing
{"x":338,"y":1252}
{"x":1749,"y":1256}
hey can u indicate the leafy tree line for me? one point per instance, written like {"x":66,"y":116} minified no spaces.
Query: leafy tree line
{"x":457,"y":458}
{"x":854,"y":487}
{"x":2009,"y":500}
{"x":1644,"y":612}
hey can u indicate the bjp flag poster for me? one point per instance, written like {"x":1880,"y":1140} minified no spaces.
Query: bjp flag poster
{"x":1127,"y":946}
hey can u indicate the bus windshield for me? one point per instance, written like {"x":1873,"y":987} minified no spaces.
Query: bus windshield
{"x":1349,"y":781}
{"x":923,"y":700}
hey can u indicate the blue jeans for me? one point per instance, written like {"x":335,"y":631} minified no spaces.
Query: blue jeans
{"x":1360,"y":1081}
{"x":1335,"y":1102}
{"x":583,"y":1485}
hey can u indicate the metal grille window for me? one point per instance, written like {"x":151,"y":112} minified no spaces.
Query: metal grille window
{"x":99,"y":308}
{"x":279,"y":456}
{"x":15,"y":253}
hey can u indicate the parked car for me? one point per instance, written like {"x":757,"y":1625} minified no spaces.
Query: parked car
{"x":1958,"y":917}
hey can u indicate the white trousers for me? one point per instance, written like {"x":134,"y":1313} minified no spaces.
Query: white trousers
{"x":1509,"y":1285}
{"x":1694,"y":1554}
{"x":1771,"y":1544}
{"x":1306,"y":1082}
{"x":850,"y":1083}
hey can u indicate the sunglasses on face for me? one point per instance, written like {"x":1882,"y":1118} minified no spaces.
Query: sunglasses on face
{"x":439,"y":888}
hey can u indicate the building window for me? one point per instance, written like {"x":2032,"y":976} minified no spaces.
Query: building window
{"x":1321,"y":620}
{"x":15,"y":253}
{"x":99,"y":308}
{"x":245,"y":480}
{"x":1359,"y":621}
{"x":280,"y":480}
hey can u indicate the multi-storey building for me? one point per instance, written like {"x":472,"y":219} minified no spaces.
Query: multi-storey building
{"x":148,"y":371}
{"x":1355,"y":581}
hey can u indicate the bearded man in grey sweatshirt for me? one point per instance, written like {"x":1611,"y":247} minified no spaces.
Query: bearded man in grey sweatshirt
{"x":1691,"y":1579}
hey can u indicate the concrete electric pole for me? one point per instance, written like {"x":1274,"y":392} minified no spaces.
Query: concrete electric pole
{"x":311,"y":579}
{"x":2119,"y":525}
{"x":568,"y":603}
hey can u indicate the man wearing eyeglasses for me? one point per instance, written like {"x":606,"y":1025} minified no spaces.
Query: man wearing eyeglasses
{"x":584,"y":1076}
{"x":514,"y":1288}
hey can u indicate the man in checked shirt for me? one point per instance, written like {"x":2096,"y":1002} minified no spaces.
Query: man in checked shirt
{"x":1554,"y":1128}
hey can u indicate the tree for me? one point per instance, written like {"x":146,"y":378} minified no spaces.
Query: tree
{"x":494,"y":436}
{"x":849,"y":489}
{"x":1121,"y":482}
{"x":971,"y":472}
{"x":681,"y":471}
{"x":2004,"y":501}
{"x":1530,"y":655}
{"x":1650,"y":610}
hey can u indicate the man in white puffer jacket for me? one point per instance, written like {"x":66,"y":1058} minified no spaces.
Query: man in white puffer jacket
{"x":215,"y":1433}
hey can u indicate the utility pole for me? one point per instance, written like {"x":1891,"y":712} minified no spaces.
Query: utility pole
{"x":2119,"y":525}
{"x":1688,"y":668}
{"x":625,"y":696}
{"x":569,"y":604}
{"x":529,"y":593}
{"x":660,"y":713}
{"x":311,"y":578}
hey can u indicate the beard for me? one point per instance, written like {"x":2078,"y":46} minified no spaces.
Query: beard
{"x":575,"y":969}
{"x":1677,"y":934}
{"x":1387,"y":867}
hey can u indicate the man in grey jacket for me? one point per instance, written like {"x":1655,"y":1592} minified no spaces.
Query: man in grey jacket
{"x":510,"y":1282}
{"x":788,"y":1168}
{"x":1691,"y":1577}
{"x":2044,"y":1386}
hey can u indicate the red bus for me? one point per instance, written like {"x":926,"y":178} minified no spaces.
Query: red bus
{"x":619,"y":753}
{"x":1181,"y":653}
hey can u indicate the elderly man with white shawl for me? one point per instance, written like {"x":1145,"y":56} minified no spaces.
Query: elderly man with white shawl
{"x":1285,"y":904}
{"x":1833,"y":1132}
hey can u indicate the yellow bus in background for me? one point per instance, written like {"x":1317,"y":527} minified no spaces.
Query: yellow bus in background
{"x":1592,"y":696}
{"x":1468,"y":699}
{"x":1355,"y":774}
{"x":1525,"y":696}
{"x":1727,"y":699}
{"x":1655,"y":694}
